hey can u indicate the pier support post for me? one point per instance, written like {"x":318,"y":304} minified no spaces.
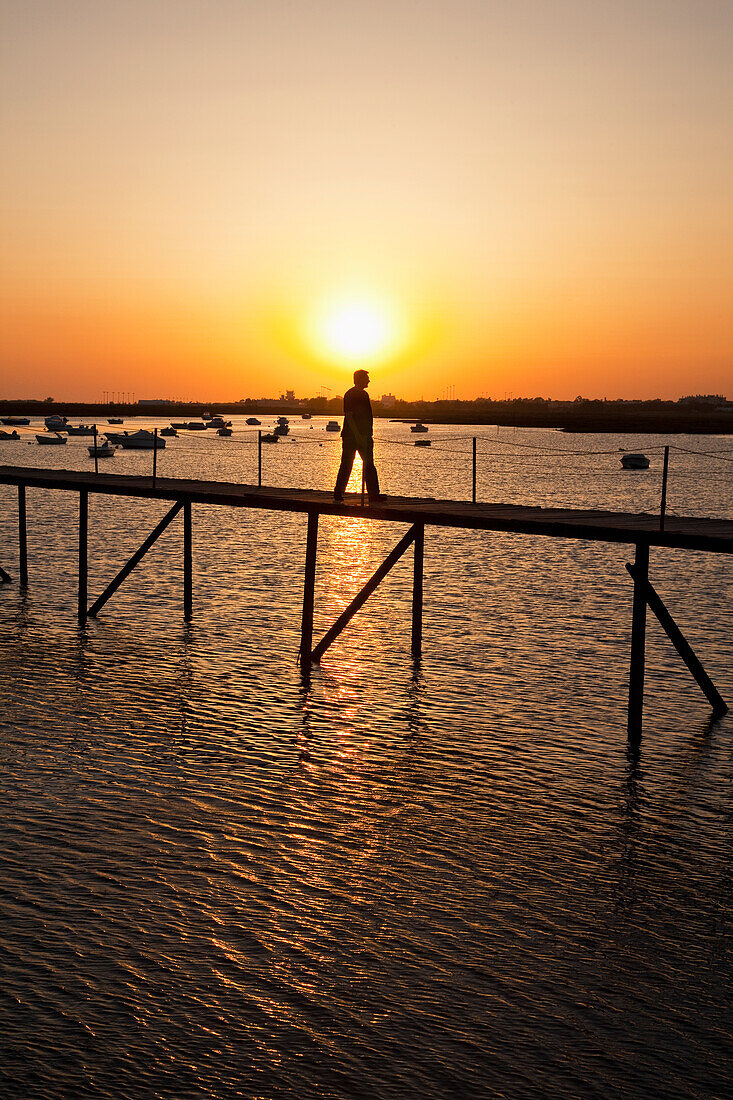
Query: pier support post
{"x":638,"y":642}
{"x":417,"y":592}
{"x":683,"y":648}
{"x":309,"y":585}
{"x":136,"y":557}
{"x":22,"y":538}
{"x":361,"y":598}
{"x":83,"y":529}
{"x":187,"y":563}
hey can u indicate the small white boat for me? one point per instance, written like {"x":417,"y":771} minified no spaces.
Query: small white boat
{"x":333,"y":426}
{"x":102,"y":450}
{"x":635,"y":462}
{"x":51,"y":439}
{"x":419,"y":427}
{"x":138,"y":441}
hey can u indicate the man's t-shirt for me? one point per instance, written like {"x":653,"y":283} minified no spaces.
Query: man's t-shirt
{"x":358,"y":409}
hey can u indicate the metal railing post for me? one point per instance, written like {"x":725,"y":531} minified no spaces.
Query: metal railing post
{"x":663,"y":507}
{"x":473,"y":495}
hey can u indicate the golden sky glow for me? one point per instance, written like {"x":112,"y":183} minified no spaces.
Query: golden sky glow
{"x":355,"y":328}
{"x":531,"y":197}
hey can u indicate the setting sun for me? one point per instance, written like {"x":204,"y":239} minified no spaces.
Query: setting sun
{"x":356,"y":328}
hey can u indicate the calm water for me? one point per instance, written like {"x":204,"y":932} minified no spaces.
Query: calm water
{"x":452,"y":880}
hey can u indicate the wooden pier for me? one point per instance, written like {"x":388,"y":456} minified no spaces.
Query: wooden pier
{"x":642,"y":531}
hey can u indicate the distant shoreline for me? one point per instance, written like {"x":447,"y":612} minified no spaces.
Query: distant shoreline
{"x":642,"y":418}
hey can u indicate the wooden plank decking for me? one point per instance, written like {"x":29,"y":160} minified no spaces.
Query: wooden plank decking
{"x":681,"y":532}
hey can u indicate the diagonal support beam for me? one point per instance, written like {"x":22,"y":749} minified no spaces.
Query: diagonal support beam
{"x":5,"y":578}
{"x":680,"y":643}
{"x":136,"y":557}
{"x":348,"y":613}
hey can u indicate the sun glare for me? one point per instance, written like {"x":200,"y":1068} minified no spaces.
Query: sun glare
{"x":358,"y":329}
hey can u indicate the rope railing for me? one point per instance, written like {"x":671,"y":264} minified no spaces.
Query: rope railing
{"x":460,"y":461}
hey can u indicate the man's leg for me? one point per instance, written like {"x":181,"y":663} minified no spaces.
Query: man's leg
{"x":370,"y":470}
{"x":348,"y":450}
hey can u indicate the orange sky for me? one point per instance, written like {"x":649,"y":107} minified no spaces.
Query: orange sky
{"x":537,"y":193}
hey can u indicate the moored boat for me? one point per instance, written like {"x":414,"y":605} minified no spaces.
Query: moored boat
{"x":168,"y":431}
{"x":115,"y":420}
{"x":79,"y":429}
{"x":51,"y":439}
{"x":333,"y":426}
{"x":141,"y":440}
{"x":270,"y":437}
{"x":12,"y":420}
{"x":252,"y":420}
{"x":55,"y":423}
{"x":422,"y":442}
{"x":102,"y":450}
{"x":226,"y":431}
{"x":9,"y":435}
{"x":195,"y":426}
{"x":635,"y":462}
{"x":418,"y":427}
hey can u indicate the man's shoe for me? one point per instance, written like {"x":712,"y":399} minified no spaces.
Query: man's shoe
{"x":379,"y":498}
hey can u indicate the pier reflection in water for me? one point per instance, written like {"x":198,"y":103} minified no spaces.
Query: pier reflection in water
{"x":219,"y":875}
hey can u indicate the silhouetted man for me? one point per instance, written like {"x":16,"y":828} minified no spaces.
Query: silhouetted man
{"x":356,"y":435}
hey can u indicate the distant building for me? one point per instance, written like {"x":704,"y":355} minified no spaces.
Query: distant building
{"x":289,"y":395}
{"x":388,"y":400}
{"x":155,"y":401}
{"x":703,"y":399}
